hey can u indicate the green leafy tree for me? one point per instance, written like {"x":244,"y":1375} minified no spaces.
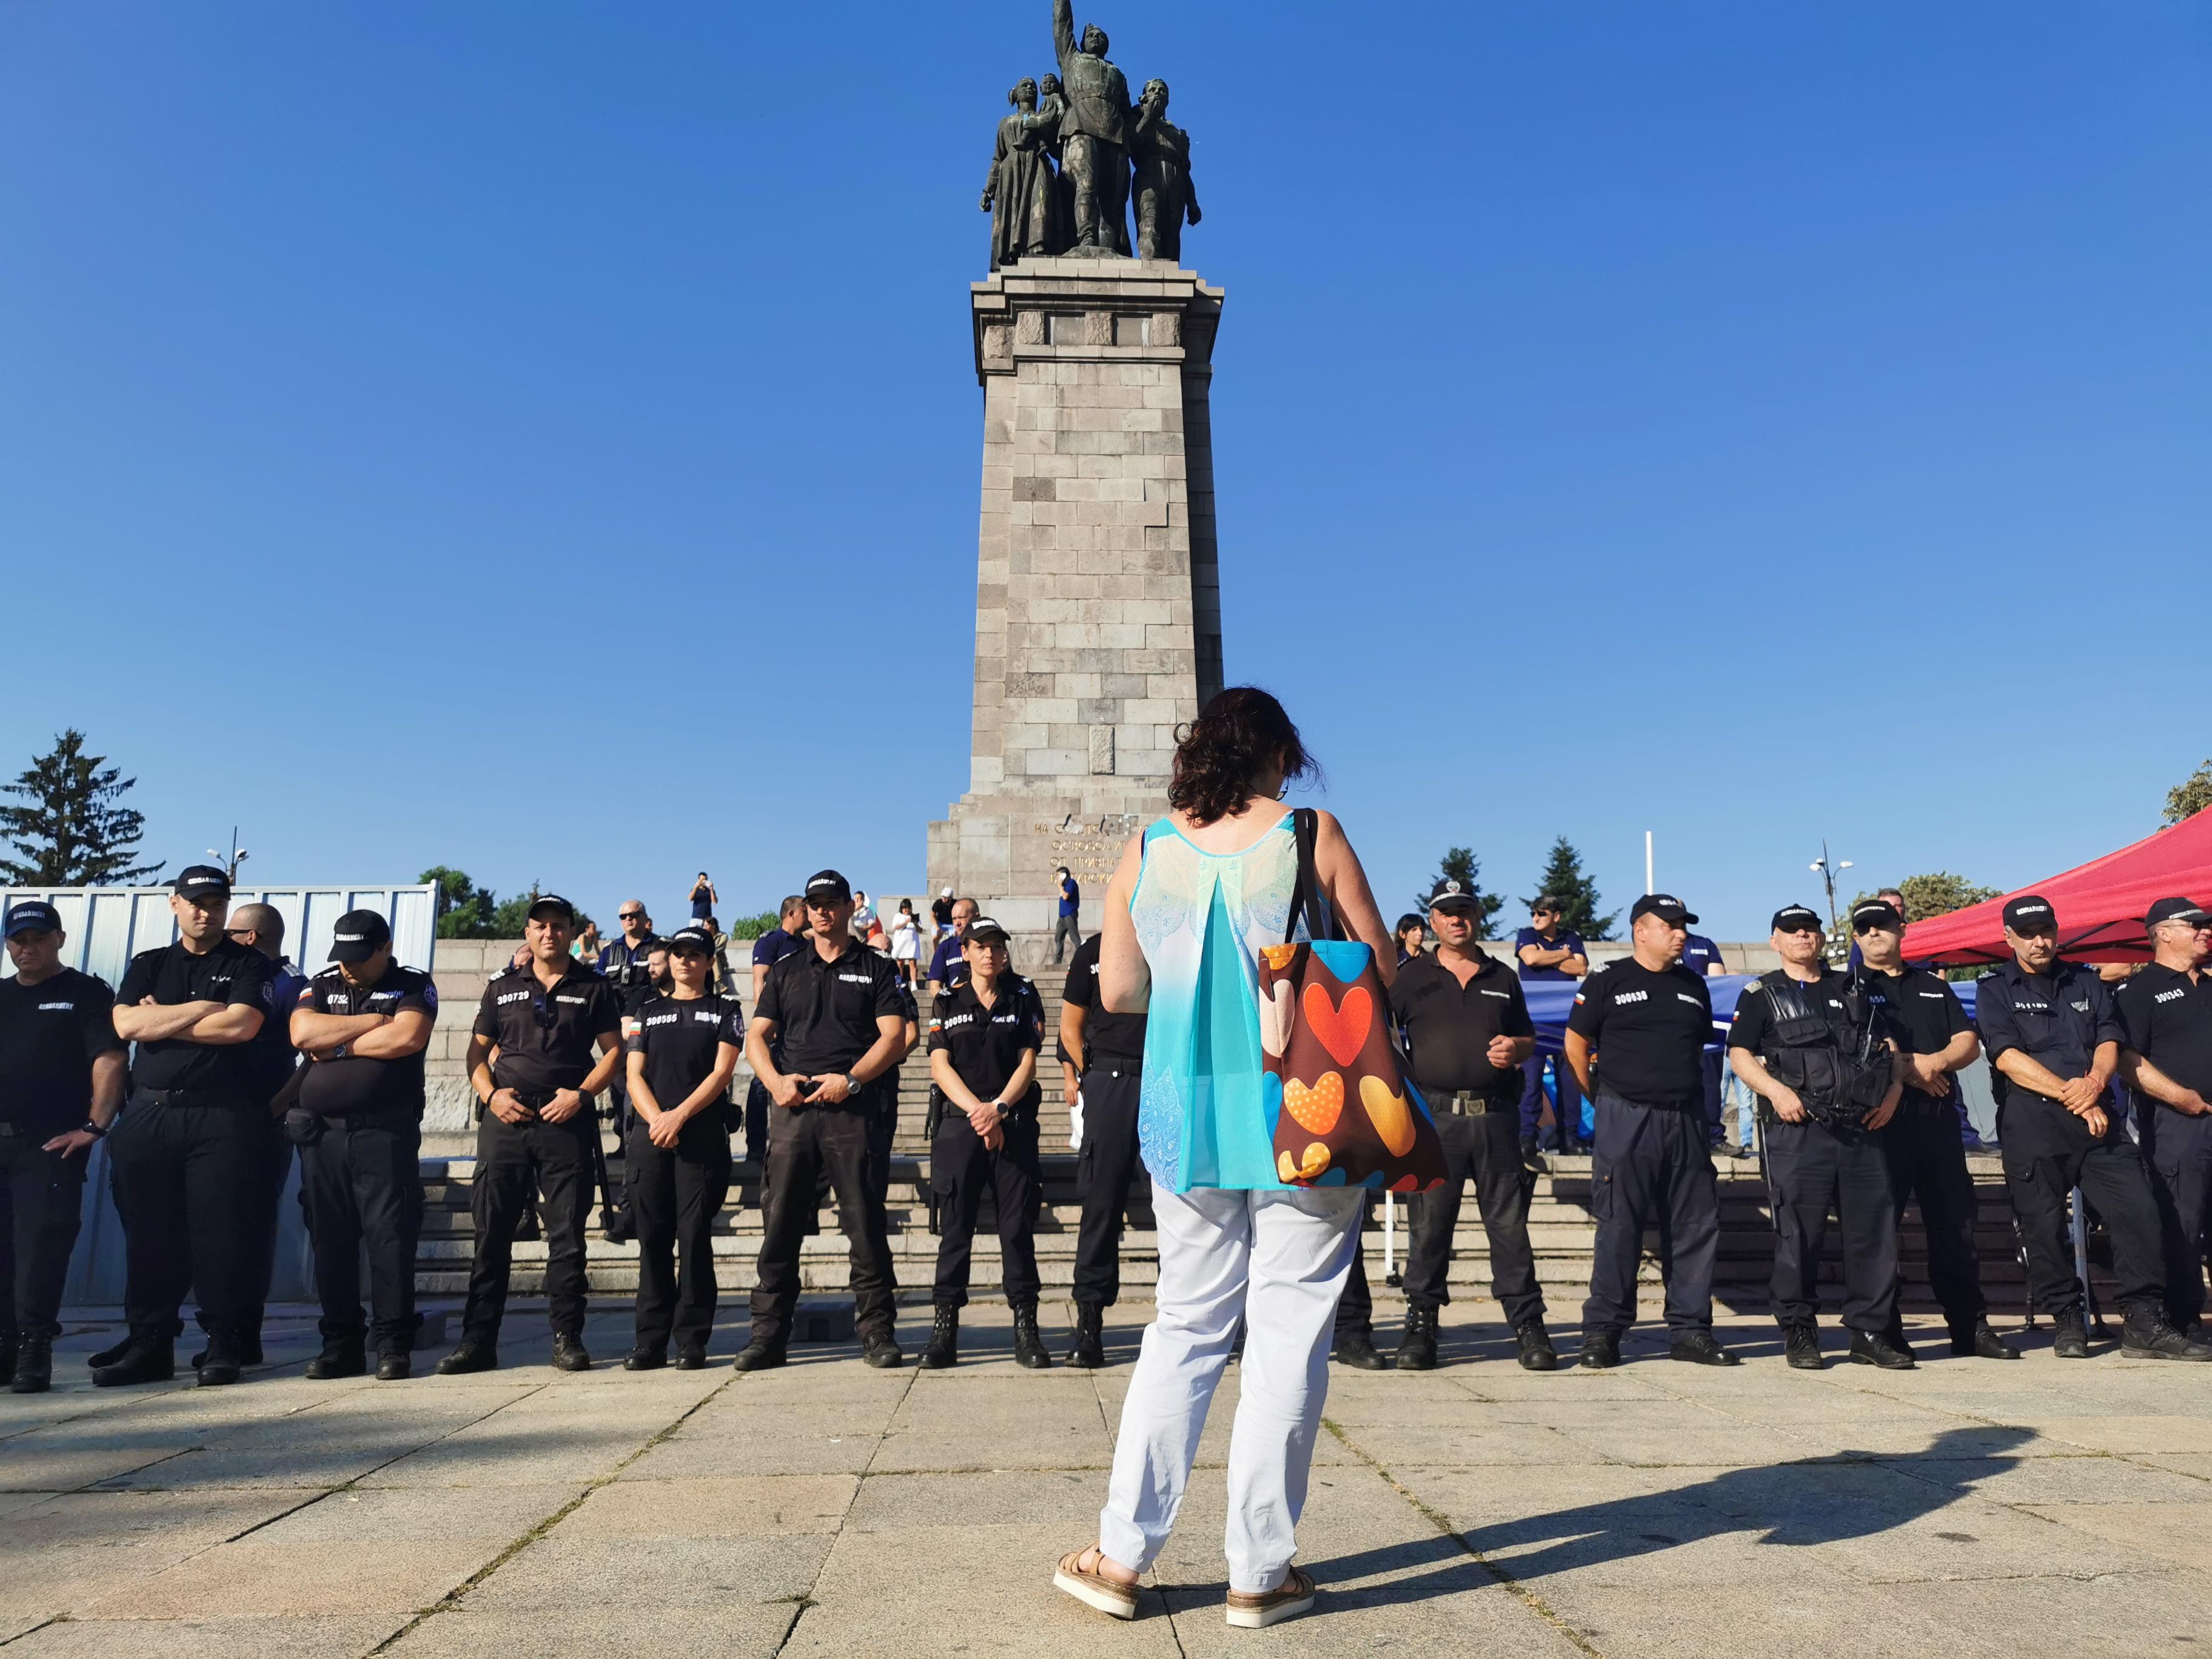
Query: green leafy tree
{"x":1459,"y":864}
{"x":753,"y":926}
{"x":1566,"y":880}
{"x":2191,"y":796}
{"x":74,"y":830}
{"x":1940,"y":893}
{"x":464,"y":910}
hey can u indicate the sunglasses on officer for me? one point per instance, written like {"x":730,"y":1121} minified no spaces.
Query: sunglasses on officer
{"x":1799,"y":927}
{"x":1877,"y":926}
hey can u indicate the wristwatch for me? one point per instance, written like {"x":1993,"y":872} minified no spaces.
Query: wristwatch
{"x":94,"y":1130}
{"x":852,"y":1083}
{"x":1003,"y":1109}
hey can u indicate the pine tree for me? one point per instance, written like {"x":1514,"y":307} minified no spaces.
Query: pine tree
{"x":1459,"y":864}
{"x":75,"y":832}
{"x":1564,"y":881}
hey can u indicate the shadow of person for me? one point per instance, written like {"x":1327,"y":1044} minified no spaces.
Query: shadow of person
{"x":1819,"y":1500}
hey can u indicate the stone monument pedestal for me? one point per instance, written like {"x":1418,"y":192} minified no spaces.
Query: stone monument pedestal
{"x":1098,"y":587}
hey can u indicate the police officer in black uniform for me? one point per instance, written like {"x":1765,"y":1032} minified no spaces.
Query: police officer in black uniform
{"x":985,"y":1032}
{"x":836,"y":1007}
{"x":1641,"y":1026}
{"x":2166,"y":1059}
{"x":1816,"y":1053}
{"x":683,"y":1047}
{"x":363,"y":1025}
{"x":190,"y":1153}
{"x":2053,"y":1037}
{"x":532,"y":1065}
{"x":1108,"y":1052}
{"x":262,"y":927}
{"x":1467,"y":1030}
{"x":1923,"y":1140}
{"x":61,"y":1084}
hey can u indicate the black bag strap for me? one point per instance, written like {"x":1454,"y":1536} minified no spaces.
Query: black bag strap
{"x":1306,"y":900}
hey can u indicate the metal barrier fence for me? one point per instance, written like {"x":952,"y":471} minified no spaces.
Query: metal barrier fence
{"x":108,"y":925}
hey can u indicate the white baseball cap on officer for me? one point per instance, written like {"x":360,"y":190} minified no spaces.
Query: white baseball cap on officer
{"x":1453,"y":897}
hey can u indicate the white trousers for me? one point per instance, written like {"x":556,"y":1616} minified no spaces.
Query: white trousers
{"x":1277,"y":1260}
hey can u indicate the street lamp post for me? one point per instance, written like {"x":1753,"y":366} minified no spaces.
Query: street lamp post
{"x":231,"y":860}
{"x":1828,"y":869}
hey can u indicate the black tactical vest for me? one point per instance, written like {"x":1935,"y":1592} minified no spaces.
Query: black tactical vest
{"x":1834,"y":1059}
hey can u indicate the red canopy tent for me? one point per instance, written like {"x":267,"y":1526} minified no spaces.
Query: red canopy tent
{"x":2101,"y":904}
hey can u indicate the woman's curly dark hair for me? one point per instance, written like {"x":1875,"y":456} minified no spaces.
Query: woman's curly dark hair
{"x":1239,"y":733}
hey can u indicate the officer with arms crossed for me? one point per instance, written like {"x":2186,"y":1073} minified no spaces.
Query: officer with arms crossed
{"x":61,"y":1084}
{"x":262,"y":927}
{"x":1467,"y":1031}
{"x":1816,"y":1052}
{"x":1922,"y":1140}
{"x":684,"y":1048}
{"x":1642,"y":1026}
{"x":531,"y":1063}
{"x":1108,"y":1052}
{"x":2166,"y":1059}
{"x":1549,"y":954}
{"x":363,"y":1025}
{"x":985,"y":1034}
{"x":2053,"y":1037}
{"x":832,"y":1014}
{"x":191,"y":1153}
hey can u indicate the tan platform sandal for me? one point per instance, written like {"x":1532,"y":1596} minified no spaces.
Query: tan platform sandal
{"x":1091,"y":1586}
{"x":1294,"y":1595}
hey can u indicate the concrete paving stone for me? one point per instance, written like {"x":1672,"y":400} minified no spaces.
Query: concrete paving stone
{"x":1506,"y":1444}
{"x":2166,"y":1434}
{"x":1946,"y":1439}
{"x":1972,"y":1540}
{"x":403,"y":1515}
{"x":2179,"y":1533}
{"x":2132,"y":1614}
{"x":725,"y":1417}
{"x":2090,"y":1477}
{"x":293,"y":1461}
{"x":169,"y":1525}
{"x":309,"y":1637}
{"x":986,"y":1588}
{"x":558,"y":1572}
{"x":1057,"y":1500}
{"x":739,"y":1629}
{"x":1051,"y":1445}
{"x":1825,"y":1613}
{"x":722,"y":1457}
{"x":518,"y":1452}
{"x":258,"y":1577}
{"x":67,"y":1461}
{"x":2195,"y":1465}
{"x":739,"y":1507}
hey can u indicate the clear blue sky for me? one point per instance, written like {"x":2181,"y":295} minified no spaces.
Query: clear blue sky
{"x":1750,"y":422}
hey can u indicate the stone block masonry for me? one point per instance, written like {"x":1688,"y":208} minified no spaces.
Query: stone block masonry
{"x":1098,"y":586}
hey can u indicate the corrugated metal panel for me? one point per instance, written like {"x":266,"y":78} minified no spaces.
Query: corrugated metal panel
{"x":108,"y":925}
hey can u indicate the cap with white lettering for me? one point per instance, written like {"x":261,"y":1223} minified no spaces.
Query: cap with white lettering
{"x":2031,"y":913}
{"x":984,"y":931}
{"x":32,"y":916}
{"x":1665,"y":906}
{"x":1876,"y":913}
{"x":827,"y":887}
{"x":694,"y":938}
{"x":201,"y":881}
{"x":554,"y":904}
{"x":359,"y":935}
{"x":1796,"y":919}
{"x":2166,"y":909}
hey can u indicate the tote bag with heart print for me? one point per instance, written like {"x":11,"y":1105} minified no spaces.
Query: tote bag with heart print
{"x":1346,"y":1114}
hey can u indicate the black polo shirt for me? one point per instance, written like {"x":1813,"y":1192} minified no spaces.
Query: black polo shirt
{"x":357,"y":1084}
{"x":50,"y":1034}
{"x":986,"y":1044}
{"x":825,"y":1012}
{"x":1112,"y":1041}
{"x":681,"y":1041}
{"x":1449,"y":1026}
{"x":1918,"y":1012}
{"x":229,"y":974}
{"x":547,"y":1040}
{"x":1650,"y":1032}
{"x":2057,"y":1018}
{"x":2168,"y":1016}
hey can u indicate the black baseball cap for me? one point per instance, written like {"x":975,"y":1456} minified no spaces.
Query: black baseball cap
{"x":2031,"y":913}
{"x":200,"y":881}
{"x":827,"y":887}
{"x":1794,"y":919}
{"x":984,"y":931}
{"x":1453,"y":895}
{"x":550,"y":902}
{"x":31,"y":916}
{"x":2166,"y":909}
{"x":692,"y":939}
{"x":1665,"y":906}
{"x":1876,"y":913}
{"x":359,"y":935}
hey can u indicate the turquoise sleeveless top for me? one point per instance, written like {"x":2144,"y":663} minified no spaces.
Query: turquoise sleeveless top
{"x":1201,"y":919}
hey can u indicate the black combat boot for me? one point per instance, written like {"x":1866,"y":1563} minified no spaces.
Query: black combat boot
{"x":1537,"y":1353}
{"x":1029,"y":1347}
{"x":1089,"y":1352}
{"x":1417,"y":1349}
{"x":1600,"y":1349}
{"x":690,"y":1357}
{"x":1357,"y":1349}
{"x":143,"y":1359}
{"x":338,"y":1358}
{"x":1800,"y":1344}
{"x":1700,"y":1348}
{"x":569,"y":1353}
{"x":944,"y":1349}
{"x":1874,"y":1348}
{"x":109,"y":1356}
{"x":1979,"y":1341}
{"x":34,"y":1371}
{"x":222,"y":1362}
{"x":643,"y":1357}
{"x":476,"y":1353}
{"x":2068,"y":1340}
{"x":395,"y":1366}
{"x":2146,"y":1335}
{"x":881,"y":1350}
{"x":763,"y":1353}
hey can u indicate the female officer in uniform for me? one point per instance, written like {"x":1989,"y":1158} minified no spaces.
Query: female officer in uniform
{"x":683,"y":1050}
{"x":985,"y":1033}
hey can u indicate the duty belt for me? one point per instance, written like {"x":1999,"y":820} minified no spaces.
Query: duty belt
{"x":188,"y":1097}
{"x":1466,"y":1103}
